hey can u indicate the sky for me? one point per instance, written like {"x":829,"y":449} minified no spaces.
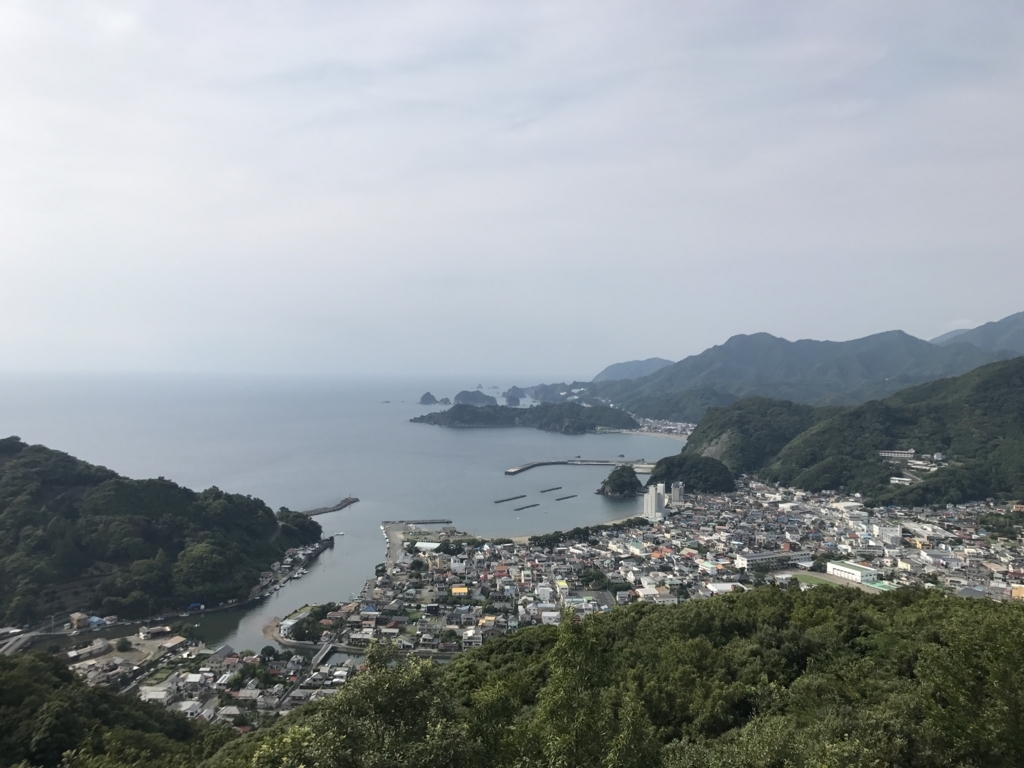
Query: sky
{"x":384,"y":188}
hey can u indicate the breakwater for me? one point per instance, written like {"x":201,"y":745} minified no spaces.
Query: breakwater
{"x":346,"y":502}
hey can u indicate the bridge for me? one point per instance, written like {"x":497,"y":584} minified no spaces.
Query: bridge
{"x":639,"y":465}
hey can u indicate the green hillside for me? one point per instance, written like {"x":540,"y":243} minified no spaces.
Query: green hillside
{"x":567,"y":418}
{"x":50,"y":717}
{"x":767,"y":679}
{"x":770,"y":678}
{"x":688,"y":406}
{"x":977,"y":420}
{"x":748,"y":434}
{"x":74,"y":536}
{"x":700,"y":473}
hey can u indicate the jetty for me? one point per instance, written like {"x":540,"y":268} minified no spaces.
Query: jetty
{"x":432,"y":521}
{"x":511,"y":498}
{"x":578,"y":463}
{"x":348,"y":501}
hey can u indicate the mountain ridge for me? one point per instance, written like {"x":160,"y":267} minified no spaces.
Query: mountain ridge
{"x":632,"y":369}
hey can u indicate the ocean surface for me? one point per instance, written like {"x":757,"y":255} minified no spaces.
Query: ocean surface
{"x":307,"y":443}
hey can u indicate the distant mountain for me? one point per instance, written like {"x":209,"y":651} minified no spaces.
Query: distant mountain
{"x":817,"y":372}
{"x":976,"y":420}
{"x":1007,"y":333}
{"x":948,"y":337}
{"x":634,"y":369}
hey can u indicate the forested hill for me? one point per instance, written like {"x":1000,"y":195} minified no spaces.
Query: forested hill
{"x":74,"y":536}
{"x":568,"y":418}
{"x":747,"y":435}
{"x":50,"y":717}
{"x":767,"y":679}
{"x":976,"y":420}
{"x":633,"y":369}
{"x":806,"y":371}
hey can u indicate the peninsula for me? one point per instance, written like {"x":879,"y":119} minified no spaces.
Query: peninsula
{"x":567,"y":418}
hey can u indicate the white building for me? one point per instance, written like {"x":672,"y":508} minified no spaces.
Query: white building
{"x":678,"y":492}
{"x":898,"y":455}
{"x":852,"y":572}
{"x":654,"y":502}
{"x":890,"y":534}
{"x":775,"y":559}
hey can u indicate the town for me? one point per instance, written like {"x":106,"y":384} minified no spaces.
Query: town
{"x":442,"y":591}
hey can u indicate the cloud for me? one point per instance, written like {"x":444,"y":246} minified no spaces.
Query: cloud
{"x":444,"y":187}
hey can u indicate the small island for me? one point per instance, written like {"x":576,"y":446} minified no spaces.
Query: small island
{"x":621,"y":483}
{"x":428,"y":399}
{"x":468,"y":397}
{"x":567,"y":418}
{"x":512,"y":401}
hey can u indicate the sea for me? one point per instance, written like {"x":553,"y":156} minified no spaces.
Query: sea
{"x":306,"y":443}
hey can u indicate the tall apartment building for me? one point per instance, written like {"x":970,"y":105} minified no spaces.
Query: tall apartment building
{"x":678,"y":491}
{"x":654,"y":502}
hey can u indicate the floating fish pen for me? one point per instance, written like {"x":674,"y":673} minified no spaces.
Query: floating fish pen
{"x":528,"y":506}
{"x":511,"y":498}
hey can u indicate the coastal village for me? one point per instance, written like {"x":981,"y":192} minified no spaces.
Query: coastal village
{"x":441,"y":591}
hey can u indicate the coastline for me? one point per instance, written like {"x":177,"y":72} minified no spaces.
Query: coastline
{"x":642,"y":433}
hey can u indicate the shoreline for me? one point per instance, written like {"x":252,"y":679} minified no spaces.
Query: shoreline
{"x":671,"y":435}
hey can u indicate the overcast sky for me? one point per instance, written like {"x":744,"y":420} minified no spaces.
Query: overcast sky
{"x":385,"y":188}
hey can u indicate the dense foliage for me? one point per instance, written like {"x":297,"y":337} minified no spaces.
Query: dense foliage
{"x":621,"y":481}
{"x":308,"y":629}
{"x":567,"y":418}
{"x":45,"y":711}
{"x":74,"y":536}
{"x":976,"y":420}
{"x":767,"y":679}
{"x":747,"y":435}
{"x":701,"y":474}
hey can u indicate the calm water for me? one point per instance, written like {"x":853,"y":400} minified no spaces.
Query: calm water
{"x":308,"y":443}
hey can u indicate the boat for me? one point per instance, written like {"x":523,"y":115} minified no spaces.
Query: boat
{"x":340,"y":533}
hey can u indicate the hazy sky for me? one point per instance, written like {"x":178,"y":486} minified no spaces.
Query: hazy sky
{"x":498,"y":187}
